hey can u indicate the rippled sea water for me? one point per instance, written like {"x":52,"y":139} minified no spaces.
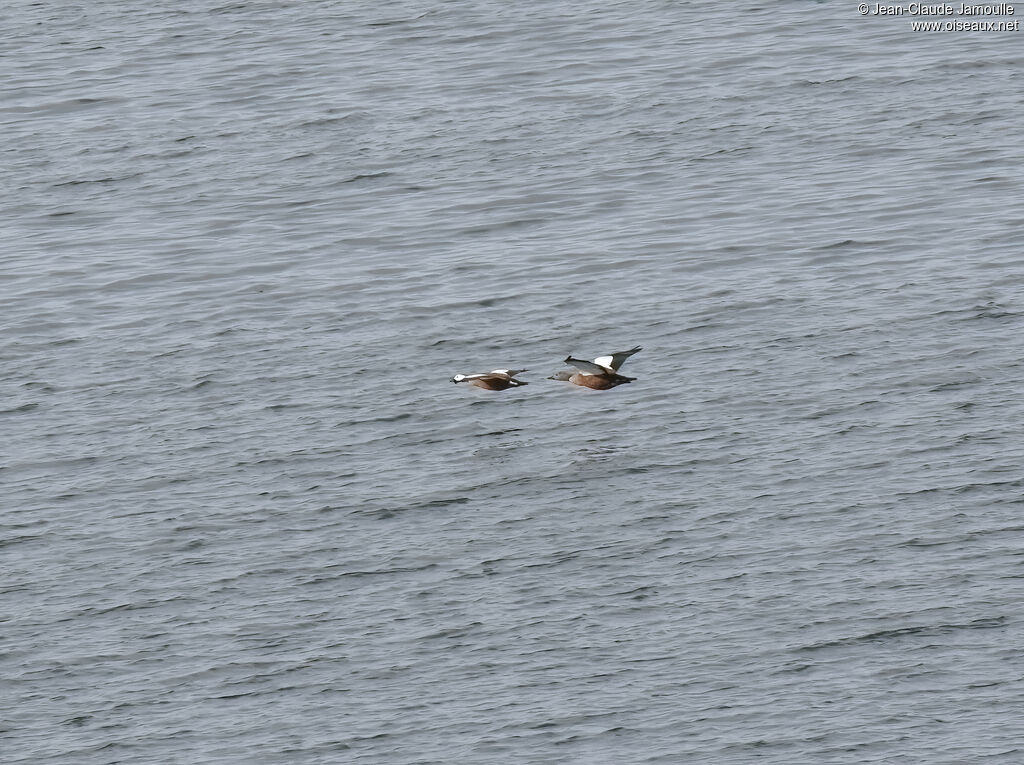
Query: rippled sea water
{"x":246,"y":517}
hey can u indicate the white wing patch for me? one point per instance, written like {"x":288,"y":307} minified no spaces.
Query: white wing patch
{"x":587,"y":367}
{"x":615,"y":360}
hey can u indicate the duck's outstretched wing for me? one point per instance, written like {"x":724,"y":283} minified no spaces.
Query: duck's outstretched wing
{"x":587,"y":367}
{"x":614,"y":361}
{"x":508,"y":372}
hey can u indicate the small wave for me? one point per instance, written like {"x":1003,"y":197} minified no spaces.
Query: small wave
{"x":923,"y":630}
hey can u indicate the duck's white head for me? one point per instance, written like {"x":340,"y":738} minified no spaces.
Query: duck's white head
{"x":459,"y":378}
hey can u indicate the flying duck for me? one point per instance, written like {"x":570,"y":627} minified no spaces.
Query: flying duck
{"x":601,"y":374}
{"x":499,"y":379}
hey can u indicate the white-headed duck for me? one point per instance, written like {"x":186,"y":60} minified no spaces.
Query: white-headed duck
{"x":499,"y":379}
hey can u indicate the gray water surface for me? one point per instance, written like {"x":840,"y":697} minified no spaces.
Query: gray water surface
{"x":247,"y":519}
